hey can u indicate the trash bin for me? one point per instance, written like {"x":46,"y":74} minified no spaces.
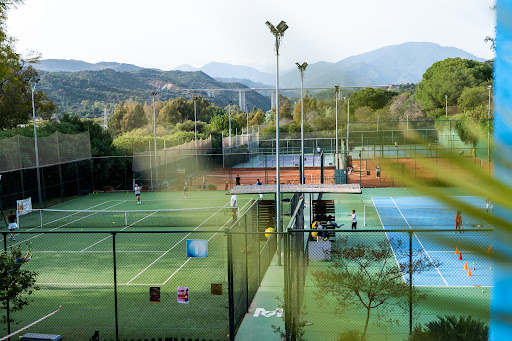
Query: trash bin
{"x":40,"y":337}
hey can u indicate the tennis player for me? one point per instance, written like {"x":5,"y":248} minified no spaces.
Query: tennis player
{"x":258,"y":182}
{"x":137,"y":194}
{"x":234,"y":207}
{"x":354,"y":220}
{"x":12,"y":224}
{"x":458,"y":221}
{"x":185,"y":190}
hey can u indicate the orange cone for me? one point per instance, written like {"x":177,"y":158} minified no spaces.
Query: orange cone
{"x":456,"y":250}
{"x":465,"y":265}
{"x":469,"y":272}
{"x":460,"y":255}
{"x":489,"y":250}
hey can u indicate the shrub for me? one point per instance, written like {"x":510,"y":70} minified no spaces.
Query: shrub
{"x":451,"y":328}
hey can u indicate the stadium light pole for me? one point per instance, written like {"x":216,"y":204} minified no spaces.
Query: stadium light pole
{"x":153,"y":94}
{"x":33,"y":83}
{"x":195,"y":130}
{"x":446,"y":104}
{"x":247,"y":112}
{"x":278,"y":33}
{"x":348,"y":120}
{"x":336,"y":94}
{"x":229,"y":115}
{"x":488,"y":129}
{"x":302,"y":69}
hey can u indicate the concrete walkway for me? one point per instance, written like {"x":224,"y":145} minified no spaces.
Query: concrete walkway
{"x":264,"y":310}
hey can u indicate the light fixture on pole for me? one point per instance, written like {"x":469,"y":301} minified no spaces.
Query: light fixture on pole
{"x":446,"y":104}
{"x":302,"y":69}
{"x":278,"y":33}
{"x":153,"y":94}
{"x":336,"y":94}
{"x":33,"y":83}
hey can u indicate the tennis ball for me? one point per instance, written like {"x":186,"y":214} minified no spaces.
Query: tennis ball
{"x":490,"y":268}
{"x":81,"y":229}
{"x":473,"y":262}
{"x":113,"y":222}
{"x":433,"y":218}
{"x":483,"y":290}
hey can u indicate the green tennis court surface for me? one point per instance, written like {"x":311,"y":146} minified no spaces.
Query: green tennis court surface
{"x":75,"y":270}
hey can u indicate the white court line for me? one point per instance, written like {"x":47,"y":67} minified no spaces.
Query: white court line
{"x":392,"y":250}
{"x":108,"y":251}
{"x":110,"y":236}
{"x":189,"y":258}
{"x":68,"y":216}
{"x":58,"y":227}
{"x":439,"y":272}
{"x":147,"y":267}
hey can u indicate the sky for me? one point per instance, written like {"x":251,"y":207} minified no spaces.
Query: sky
{"x":164,"y":34}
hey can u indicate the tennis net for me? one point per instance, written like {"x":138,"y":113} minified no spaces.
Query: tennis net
{"x":429,"y":217}
{"x":188,"y":217}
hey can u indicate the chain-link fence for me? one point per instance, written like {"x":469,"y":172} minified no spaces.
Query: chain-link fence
{"x":139,"y":284}
{"x":380,"y":285}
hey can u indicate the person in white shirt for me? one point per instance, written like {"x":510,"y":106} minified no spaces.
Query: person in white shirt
{"x":234,"y":207}
{"x":137,"y":194}
{"x":354,"y":220}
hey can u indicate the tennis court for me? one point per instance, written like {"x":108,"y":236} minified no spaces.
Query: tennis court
{"x":427,"y":213}
{"x":287,"y":160}
{"x":75,"y":270}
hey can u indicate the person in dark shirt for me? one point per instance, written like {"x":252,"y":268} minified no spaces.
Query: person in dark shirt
{"x":12,"y":224}
{"x":237,"y":180}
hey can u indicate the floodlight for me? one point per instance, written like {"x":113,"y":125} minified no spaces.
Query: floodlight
{"x":154,"y":93}
{"x":281,"y":27}
{"x":298,"y":65}
{"x":272,"y":28}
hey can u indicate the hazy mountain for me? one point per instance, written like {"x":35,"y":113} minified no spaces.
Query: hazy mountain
{"x":59,"y":65}
{"x":224,"y":70}
{"x":79,"y":91}
{"x":396,"y":64}
{"x":247,"y":82}
{"x":185,"y":67}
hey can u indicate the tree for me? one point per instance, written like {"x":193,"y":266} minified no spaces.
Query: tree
{"x":369,"y":276}
{"x":134,"y":118}
{"x":114,"y":122}
{"x":372,"y":98}
{"x":449,"y":78}
{"x":15,"y":92}
{"x":16,"y":284}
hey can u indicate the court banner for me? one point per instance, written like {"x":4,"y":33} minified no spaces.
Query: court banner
{"x":183,"y":295}
{"x":24,"y":206}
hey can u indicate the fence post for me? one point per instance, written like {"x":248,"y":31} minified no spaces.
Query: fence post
{"x":7,"y":296}
{"x":287,"y":310}
{"x":231,"y":302}
{"x":115,"y":283}
{"x":247,"y":303}
{"x":410,"y":282}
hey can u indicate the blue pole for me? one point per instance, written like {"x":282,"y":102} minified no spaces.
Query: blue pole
{"x":501,"y":300}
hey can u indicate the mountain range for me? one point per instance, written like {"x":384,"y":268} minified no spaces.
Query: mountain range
{"x":395,"y":64}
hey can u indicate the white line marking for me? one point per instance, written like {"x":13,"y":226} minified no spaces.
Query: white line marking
{"x":110,"y":236}
{"x":147,"y":267}
{"x":431,"y":260}
{"x":68,"y":216}
{"x":390,"y":245}
{"x":58,"y":227}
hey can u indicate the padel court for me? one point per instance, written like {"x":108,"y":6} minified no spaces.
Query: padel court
{"x":459,"y":267}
